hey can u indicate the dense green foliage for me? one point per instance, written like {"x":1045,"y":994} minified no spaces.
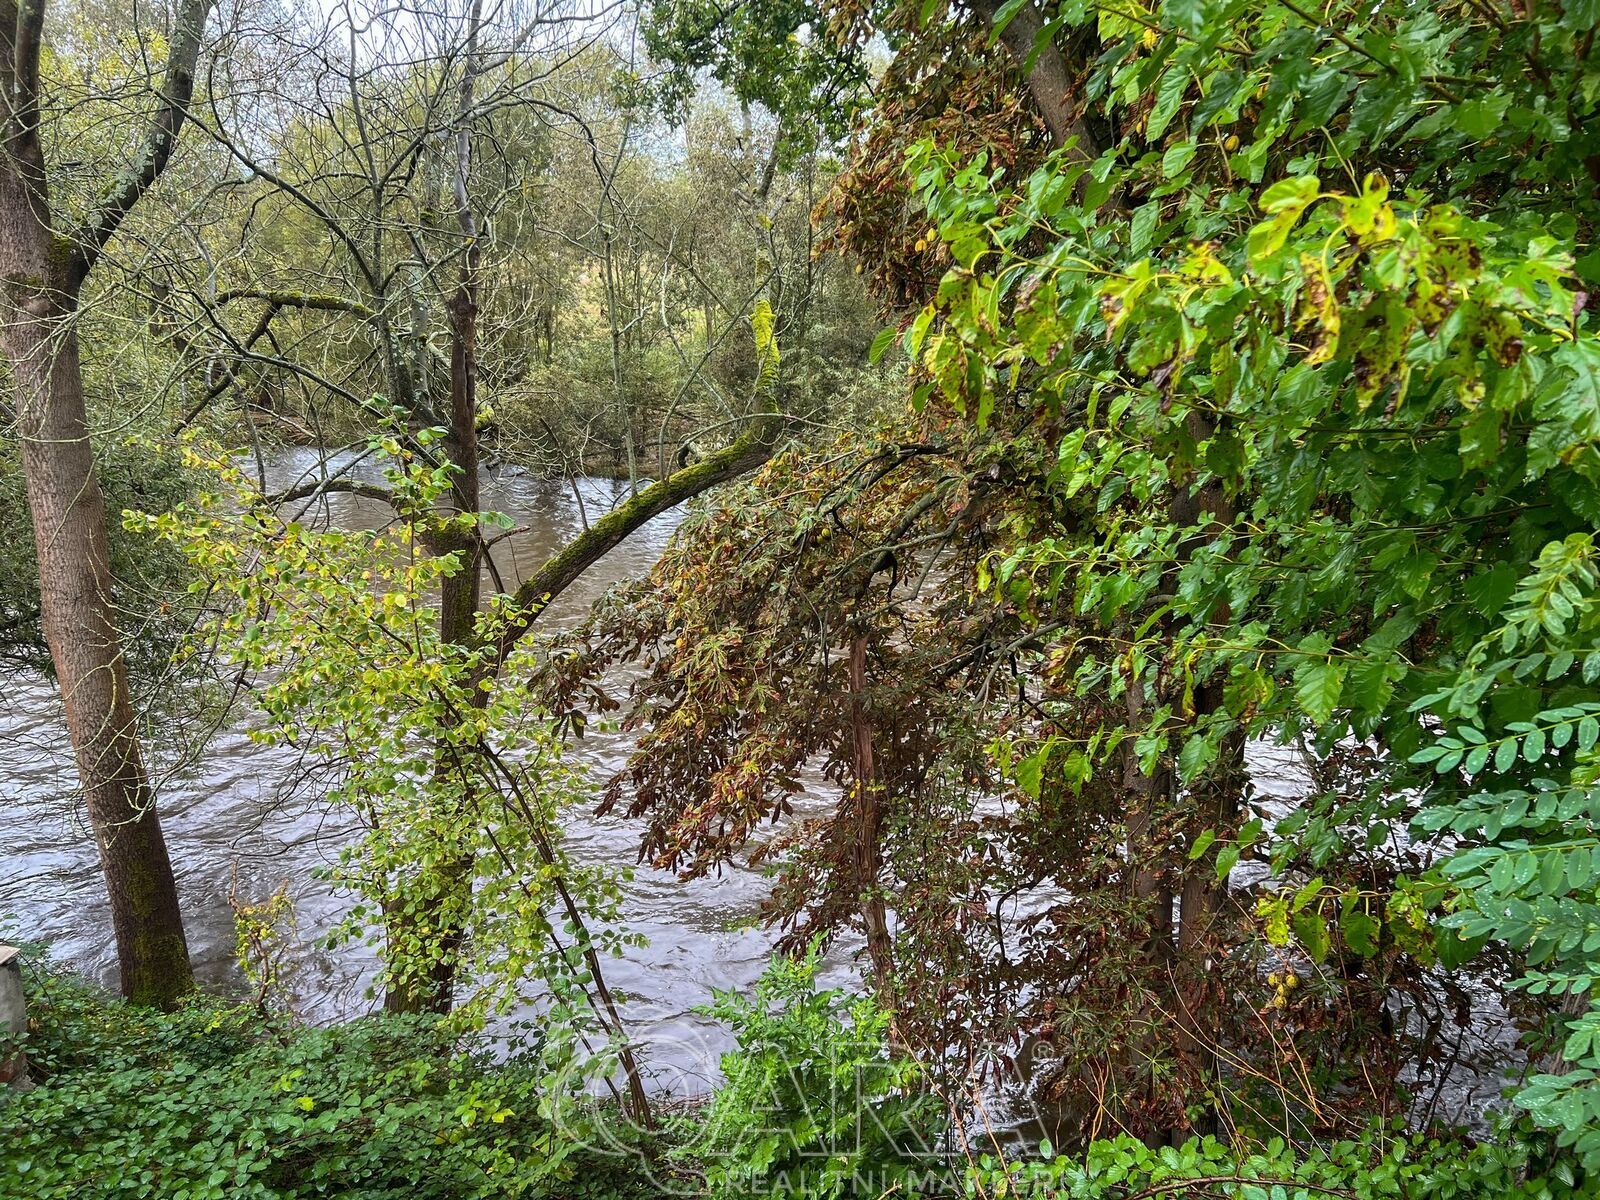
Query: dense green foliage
{"x":220,"y":1102}
{"x":816,"y":1102}
{"x":1269,"y":401}
{"x":1337,"y":297}
{"x":1373,"y":1165}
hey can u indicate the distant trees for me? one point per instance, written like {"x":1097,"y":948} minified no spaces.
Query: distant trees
{"x":612,"y":262}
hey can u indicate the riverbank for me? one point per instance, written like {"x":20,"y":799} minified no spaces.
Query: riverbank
{"x":224,"y":1101}
{"x":240,"y":825}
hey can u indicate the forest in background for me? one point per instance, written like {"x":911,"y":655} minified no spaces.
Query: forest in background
{"x":1077,"y":406}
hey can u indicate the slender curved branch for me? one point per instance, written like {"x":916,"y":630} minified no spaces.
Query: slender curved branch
{"x":283,"y":299}
{"x":565,"y":567}
{"x":322,"y":487}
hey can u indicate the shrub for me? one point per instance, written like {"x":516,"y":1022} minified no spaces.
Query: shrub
{"x":1381,"y":1163}
{"x":220,"y":1101}
{"x":816,"y":1102}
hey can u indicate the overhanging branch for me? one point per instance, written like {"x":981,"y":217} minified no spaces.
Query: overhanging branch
{"x":315,"y":488}
{"x":564,"y":568}
{"x":285,"y":299}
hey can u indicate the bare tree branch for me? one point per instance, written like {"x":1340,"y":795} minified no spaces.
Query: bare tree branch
{"x":155,"y":148}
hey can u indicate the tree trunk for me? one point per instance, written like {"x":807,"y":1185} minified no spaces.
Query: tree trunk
{"x":1049,"y":80}
{"x":1215,"y":801}
{"x":460,"y":593}
{"x":42,"y":273}
{"x":459,"y":597}
{"x":76,"y":606}
{"x":1147,"y":797}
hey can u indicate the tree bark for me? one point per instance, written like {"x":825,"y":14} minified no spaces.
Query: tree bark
{"x":42,"y":272}
{"x":1214,"y":802}
{"x":460,"y":593}
{"x":459,"y":599}
{"x":1049,"y":81}
{"x":76,"y":607}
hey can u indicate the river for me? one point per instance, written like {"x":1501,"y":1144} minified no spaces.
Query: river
{"x":233,"y":820}
{"x":229,"y":824}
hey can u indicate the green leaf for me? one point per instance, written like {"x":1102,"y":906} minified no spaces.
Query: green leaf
{"x":1003,"y":15}
{"x":1552,"y":872}
{"x":1290,"y":195}
{"x":1169,"y":95}
{"x":1533,"y":745}
{"x":1307,"y":892}
{"x":1482,"y":115}
{"x":1267,"y":237}
{"x":881,"y":343}
{"x":1227,"y":859}
{"x":1369,"y":686}
{"x":1030,"y":773}
{"x":1284,"y":201}
{"x":1312,"y":931}
{"x":1455,"y":951}
{"x":1317,"y":686}
{"x":1197,"y":754}
{"x":1176,"y":158}
{"x":1142,"y":227}
{"x":1360,"y":932}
